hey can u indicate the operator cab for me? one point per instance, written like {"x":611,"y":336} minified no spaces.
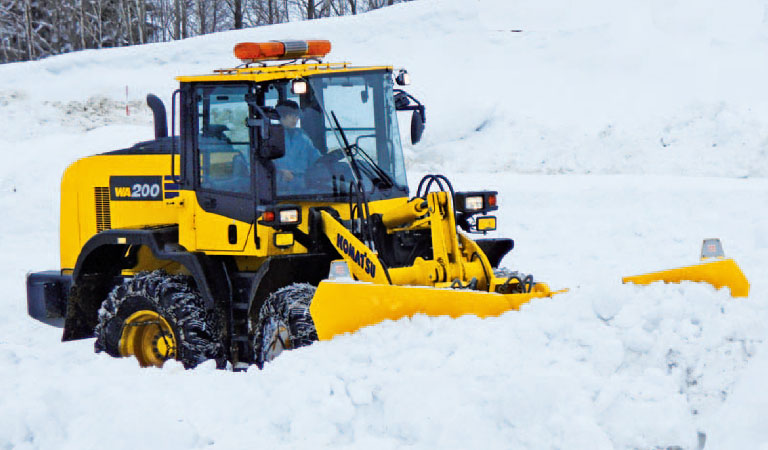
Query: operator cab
{"x":311,"y":132}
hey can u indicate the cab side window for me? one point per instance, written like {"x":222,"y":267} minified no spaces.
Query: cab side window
{"x":223,"y":139}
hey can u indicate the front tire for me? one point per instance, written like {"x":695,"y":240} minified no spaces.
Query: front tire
{"x":284,"y":322}
{"x":156,"y":317}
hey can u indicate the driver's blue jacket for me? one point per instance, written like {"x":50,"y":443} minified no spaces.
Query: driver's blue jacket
{"x":300,"y":153}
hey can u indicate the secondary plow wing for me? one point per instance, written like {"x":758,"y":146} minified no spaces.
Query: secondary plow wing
{"x":343,"y":307}
{"x":720,"y":273}
{"x":714,"y":269}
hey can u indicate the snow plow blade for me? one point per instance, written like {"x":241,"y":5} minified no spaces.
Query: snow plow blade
{"x":345,"y":307}
{"x":719,"y":273}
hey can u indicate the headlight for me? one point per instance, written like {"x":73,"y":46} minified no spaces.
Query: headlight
{"x":289,"y":216}
{"x":474,"y":203}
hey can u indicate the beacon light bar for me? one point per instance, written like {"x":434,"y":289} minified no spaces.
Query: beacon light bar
{"x":269,"y":51}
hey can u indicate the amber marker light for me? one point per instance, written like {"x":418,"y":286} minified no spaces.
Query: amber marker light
{"x":265,"y":51}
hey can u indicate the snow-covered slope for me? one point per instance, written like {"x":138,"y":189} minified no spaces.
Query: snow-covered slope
{"x":602,"y":87}
{"x":596,"y":121}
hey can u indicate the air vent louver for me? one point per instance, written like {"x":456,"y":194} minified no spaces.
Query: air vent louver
{"x":103,"y":218}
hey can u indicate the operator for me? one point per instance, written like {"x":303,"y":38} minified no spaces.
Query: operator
{"x":300,"y":153}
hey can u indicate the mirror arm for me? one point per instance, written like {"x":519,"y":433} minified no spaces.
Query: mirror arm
{"x":264,"y":125}
{"x":420,"y":106}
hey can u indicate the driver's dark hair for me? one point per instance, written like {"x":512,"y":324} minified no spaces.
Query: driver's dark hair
{"x":287,"y":104}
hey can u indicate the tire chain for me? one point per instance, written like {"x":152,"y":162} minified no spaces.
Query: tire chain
{"x":179,"y":303}
{"x":503,"y":272}
{"x":288,"y":306}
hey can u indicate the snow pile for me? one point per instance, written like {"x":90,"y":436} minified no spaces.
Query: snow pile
{"x":100,"y":111}
{"x":587,"y":370}
{"x":622,"y":91}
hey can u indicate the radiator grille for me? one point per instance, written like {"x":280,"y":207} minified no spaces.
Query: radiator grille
{"x":103,"y":218}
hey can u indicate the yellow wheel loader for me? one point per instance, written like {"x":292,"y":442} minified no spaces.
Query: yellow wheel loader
{"x":277,"y":215}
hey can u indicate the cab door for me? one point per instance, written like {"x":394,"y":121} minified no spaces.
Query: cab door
{"x":223,"y":168}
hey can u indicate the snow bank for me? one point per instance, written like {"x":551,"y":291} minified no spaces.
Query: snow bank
{"x":577,"y":371}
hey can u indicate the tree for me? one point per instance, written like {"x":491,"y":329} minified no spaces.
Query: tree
{"x":31,"y":29}
{"x":238,"y":13}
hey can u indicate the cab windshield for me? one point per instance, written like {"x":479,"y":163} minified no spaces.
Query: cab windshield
{"x":314,"y":163}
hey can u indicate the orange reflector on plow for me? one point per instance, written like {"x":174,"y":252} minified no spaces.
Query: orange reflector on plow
{"x":719,"y":273}
{"x":339,"y":307}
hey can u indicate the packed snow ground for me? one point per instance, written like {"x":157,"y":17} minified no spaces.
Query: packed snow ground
{"x":618,"y":136}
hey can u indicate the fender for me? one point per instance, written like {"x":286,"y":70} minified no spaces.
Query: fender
{"x":280,"y":271}
{"x":106,"y":254}
{"x":495,"y":249}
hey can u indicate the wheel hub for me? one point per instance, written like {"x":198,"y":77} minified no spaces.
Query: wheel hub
{"x":149,"y":337}
{"x":279,"y":341}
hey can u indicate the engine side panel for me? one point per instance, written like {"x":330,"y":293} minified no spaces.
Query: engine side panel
{"x":110,"y":191}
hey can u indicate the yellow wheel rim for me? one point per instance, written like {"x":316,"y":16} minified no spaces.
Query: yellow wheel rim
{"x":148,"y":336}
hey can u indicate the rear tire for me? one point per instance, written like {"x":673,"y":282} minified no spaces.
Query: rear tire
{"x":163,"y":316}
{"x":284,"y":322}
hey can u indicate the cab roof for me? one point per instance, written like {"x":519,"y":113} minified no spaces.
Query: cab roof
{"x":275,"y":72}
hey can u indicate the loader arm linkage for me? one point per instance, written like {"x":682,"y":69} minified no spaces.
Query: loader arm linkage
{"x":458,"y":279}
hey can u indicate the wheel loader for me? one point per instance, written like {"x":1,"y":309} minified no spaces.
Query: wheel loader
{"x":275,"y":214}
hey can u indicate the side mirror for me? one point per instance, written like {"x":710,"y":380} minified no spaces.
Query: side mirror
{"x":417,"y":126}
{"x":273,"y":146}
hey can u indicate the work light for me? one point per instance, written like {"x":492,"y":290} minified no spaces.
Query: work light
{"x":474,"y":203}
{"x":299,"y":87}
{"x":403,"y":78}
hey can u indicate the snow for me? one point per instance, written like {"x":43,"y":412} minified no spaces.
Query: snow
{"x":618,"y":134}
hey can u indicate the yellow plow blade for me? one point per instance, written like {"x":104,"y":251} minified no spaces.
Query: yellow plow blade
{"x":339,"y":307}
{"x":719,"y":273}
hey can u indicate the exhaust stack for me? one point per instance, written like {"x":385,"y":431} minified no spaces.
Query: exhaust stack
{"x":158,"y":111}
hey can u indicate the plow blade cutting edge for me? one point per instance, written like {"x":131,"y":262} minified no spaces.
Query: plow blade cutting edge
{"x":343,"y":307}
{"x":718,"y":273}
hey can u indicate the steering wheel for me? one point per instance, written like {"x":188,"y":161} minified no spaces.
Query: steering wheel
{"x":320,"y":175}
